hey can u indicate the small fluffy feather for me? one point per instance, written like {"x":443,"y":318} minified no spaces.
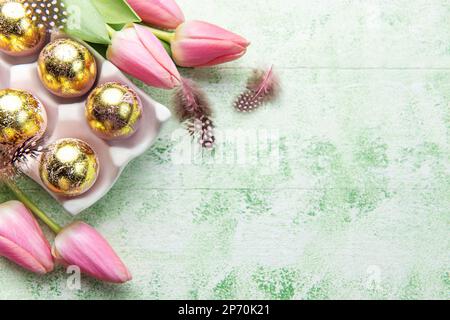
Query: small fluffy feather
{"x":192,"y":107}
{"x":13,"y":158}
{"x":7,"y":168}
{"x":30,"y":149}
{"x":262,"y":87}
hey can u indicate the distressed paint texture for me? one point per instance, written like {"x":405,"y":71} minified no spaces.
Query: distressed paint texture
{"x":341,"y":189}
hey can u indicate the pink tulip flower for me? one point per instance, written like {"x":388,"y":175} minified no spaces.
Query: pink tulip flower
{"x":81,"y":245}
{"x":136,"y":51}
{"x":201,"y":44}
{"x":22,"y":240}
{"x":159,"y":13}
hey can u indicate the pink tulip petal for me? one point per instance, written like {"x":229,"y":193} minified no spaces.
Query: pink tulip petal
{"x":199,"y":44}
{"x":156,"y":49}
{"x":204,"y":30}
{"x":22,"y":240}
{"x":18,"y":255}
{"x":162,"y":13}
{"x":81,"y":245}
{"x":129,"y":54}
{"x":201,"y":52}
{"x":223,"y":59}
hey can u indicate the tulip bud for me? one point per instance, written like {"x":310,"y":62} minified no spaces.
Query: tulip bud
{"x":136,"y":51}
{"x":81,"y":245}
{"x":22,"y":240}
{"x":201,"y":44}
{"x":159,"y":13}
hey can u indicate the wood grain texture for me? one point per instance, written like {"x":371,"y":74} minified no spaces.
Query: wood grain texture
{"x":340,"y":189}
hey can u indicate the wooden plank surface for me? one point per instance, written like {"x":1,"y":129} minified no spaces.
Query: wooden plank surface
{"x":338,"y":190}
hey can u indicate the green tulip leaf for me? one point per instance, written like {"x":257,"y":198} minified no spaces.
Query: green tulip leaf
{"x":85,"y":22}
{"x":116,"y":11}
{"x":118,"y":27}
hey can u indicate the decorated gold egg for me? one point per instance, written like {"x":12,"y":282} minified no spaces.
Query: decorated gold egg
{"x":67,"y":68}
{"x":69,"y":167}
{"x":19,"y":34}
{"x":113,"y":111}
{"x":22,"y":117}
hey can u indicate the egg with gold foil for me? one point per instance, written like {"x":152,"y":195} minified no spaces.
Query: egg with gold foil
{"x":113,"y":111}
{"x":19,"y":34}
{"x":67,"y":68}
{"x":69,"y":167}
{"x":22,"y":117}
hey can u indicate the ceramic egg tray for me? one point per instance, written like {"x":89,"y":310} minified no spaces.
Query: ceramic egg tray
{"x":66,"y":120}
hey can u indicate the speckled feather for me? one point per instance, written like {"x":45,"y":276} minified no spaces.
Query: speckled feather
{"x":262,"y":87}
{"x":7,"y":169}
{"x":192,"y":107}
{"x":349,"y":200}
{"x":50,"y":14}
{"x":13,"y":159}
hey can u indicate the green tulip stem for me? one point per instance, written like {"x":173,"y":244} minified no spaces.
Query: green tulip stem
{"x":166,"y":47}
{"x":22,"y":197}
{"x":163,"y":35}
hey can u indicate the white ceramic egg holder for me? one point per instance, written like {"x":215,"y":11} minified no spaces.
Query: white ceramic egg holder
{"x":66,"y":119}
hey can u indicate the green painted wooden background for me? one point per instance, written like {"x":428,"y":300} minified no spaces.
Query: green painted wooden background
{"x":349,"y":197}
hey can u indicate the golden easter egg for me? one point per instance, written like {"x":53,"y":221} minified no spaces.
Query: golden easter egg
{"x":69,"y":167}
{"x":19,"y":33}
{"x":67,"y":68}
{"x":113,"y":111}
{"x":22,"y":117}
